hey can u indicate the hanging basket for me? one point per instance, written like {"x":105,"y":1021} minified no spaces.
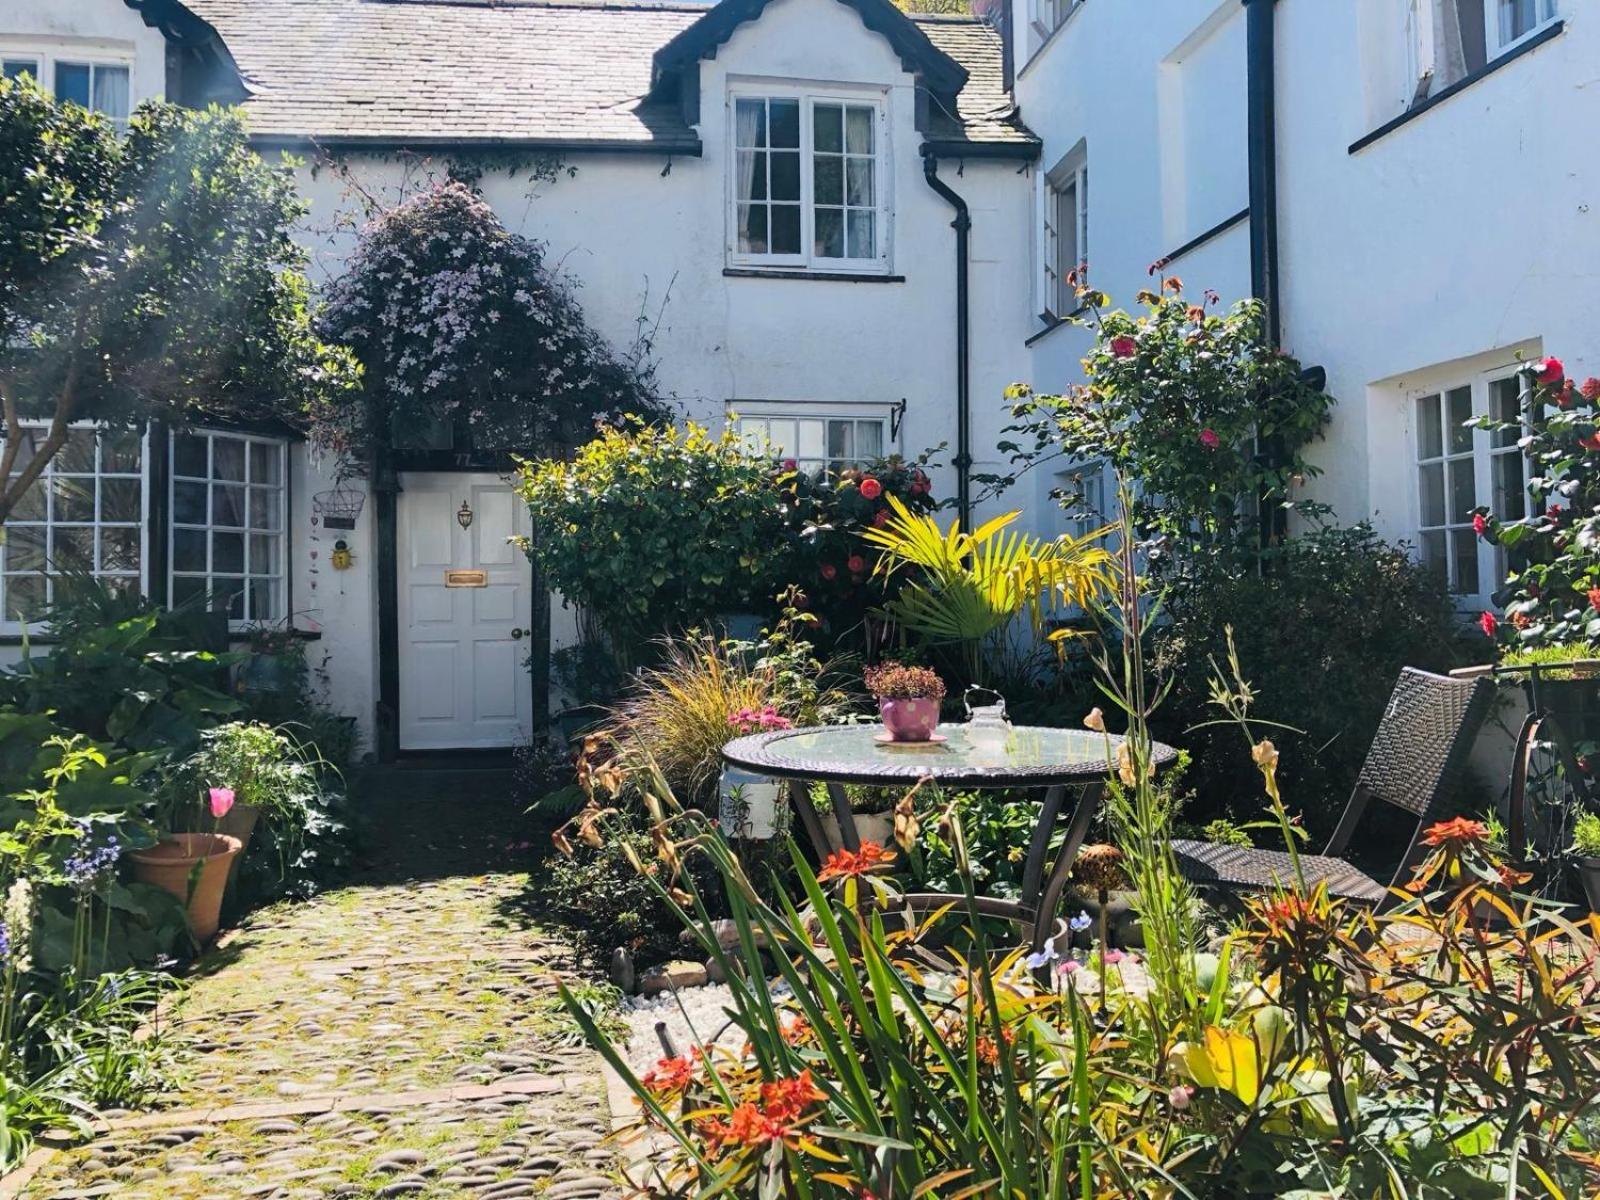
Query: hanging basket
{"x":338,"y":507}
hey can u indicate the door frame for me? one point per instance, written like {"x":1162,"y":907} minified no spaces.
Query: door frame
{"x":386,"y":497}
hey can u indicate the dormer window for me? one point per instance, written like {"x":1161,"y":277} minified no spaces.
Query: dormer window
{"x":807,"y":189}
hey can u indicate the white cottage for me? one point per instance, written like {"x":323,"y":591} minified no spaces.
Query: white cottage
{"x":863,"y":296}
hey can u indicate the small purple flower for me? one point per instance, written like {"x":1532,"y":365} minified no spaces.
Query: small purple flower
{"x":1043,"y":958}
{"x":5,"y":943}
{"x":1080,"y":922}
{"x":89,"y":864}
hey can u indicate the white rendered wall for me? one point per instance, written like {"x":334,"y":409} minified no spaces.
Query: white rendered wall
{"x":88,"y":30}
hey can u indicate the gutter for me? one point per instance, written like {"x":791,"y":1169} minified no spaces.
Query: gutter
{"x":963,"y":227}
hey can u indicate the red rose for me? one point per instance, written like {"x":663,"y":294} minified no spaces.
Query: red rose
{"x":1488,"y":624}
{"x":856,"y":563}
{"x":1564,"y":396}
{"x":1480,"y":524}
{"x":1592,"y":442}
{"x":789,"y":464}
{"x":828,"y":571}
{"x":1209,"y":439}
{"x":1591,"y":388}
{"x":871,"y":488}
{"x":1550,"y":370}
{"x":1124,"y":346}
{"x":1594,"y":598}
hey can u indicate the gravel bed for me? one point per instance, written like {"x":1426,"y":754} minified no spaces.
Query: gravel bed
{"x":693,"y":1017}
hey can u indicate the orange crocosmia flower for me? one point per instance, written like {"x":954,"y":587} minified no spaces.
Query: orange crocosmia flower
{"x":669,"y":1075}
{"x":797,"y":1031}
{"x":785,"y":1099}
{"x":847,"y":864}
{"x":1456,"y":833}
{"x":748,"y":1126}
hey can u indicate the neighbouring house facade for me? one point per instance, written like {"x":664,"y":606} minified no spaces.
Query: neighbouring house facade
{"x":852,"y":229}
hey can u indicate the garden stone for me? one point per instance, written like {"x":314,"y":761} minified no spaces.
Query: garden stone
{"x":727,"y":934}
{"x":672,"y":976}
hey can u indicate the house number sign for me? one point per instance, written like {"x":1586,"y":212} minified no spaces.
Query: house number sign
{"x":466,"y":579}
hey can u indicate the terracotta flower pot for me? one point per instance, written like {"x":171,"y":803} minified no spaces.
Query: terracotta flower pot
{"x":909,"y":720}
{"x":169,"y":864}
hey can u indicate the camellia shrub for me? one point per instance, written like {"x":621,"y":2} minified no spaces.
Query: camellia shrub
{"x":1551,"y":595}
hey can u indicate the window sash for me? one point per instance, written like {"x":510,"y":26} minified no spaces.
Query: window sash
{"x":840,"y":192}
{"x":232,"y":503}
{"x":105,"y":86}
{"x":816,"y":440}
{"x":1066,"y":234}
{"x":53,"y":521}
{"x":12,"y":66}
{"x":1457,"y":470}
{"x":1508,"y":23}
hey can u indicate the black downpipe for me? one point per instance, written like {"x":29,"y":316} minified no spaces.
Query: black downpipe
{"x":1261,"y":101}
{"x":963,"y":227}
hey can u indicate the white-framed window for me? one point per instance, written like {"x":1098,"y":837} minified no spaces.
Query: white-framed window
{"x":1065,"y":240}
{"x":229,"y":506}
{"x":1050,"y":15}
{"x":1460,"y":469}
{"x":1087,"y":494}
{"x":97,"y":85}
{"x":84,"y":515}
{"x":1450,"y":39}
{"x":816,"y":437}
{"x":807,"y":188}
{"x":15,"y":66}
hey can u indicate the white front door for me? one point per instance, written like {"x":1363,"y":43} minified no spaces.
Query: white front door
{"x":465,"y":610}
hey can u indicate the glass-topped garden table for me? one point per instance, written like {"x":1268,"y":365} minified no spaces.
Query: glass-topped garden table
{"x":970,"y":757}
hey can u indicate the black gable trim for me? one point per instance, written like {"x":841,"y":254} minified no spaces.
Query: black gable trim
{"x":207,"y":70}
{"x":940,"y":73}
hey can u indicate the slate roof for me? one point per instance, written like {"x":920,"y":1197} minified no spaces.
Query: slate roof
{"x":568,"y":73}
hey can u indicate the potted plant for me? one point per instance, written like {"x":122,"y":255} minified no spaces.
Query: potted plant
{"x":871,"y":810}
{"x":193,"y":867}
{"x":1586,"y":852}
{"x":908,"y":700}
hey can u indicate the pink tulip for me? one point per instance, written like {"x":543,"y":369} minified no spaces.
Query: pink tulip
{"x":221,"y":802}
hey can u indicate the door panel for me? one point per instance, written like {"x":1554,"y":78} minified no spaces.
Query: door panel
{"x":464,"y":680}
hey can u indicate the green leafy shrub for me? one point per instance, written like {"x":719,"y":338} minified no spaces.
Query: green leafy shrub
{"x":600,"y":896}
{"x":1586,"y":835}
{"x":654,"y":529}
{"x":1322,"y":632}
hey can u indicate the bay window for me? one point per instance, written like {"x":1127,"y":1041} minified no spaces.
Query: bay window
{"x":228,"y":518}
{"x":808,"y":182}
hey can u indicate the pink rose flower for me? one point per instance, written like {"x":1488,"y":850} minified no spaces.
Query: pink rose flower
{"x":1209,"y":439}
{"x":1124,"y":346}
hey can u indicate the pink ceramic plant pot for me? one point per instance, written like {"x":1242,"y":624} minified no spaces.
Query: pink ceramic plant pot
{"x":909,"y":720}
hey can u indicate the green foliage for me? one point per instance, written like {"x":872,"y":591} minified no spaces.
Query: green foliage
{"x":605,"y":903}
{"x":1322,"y":632}
{"x":1552,"y":594}
{"x":1176,"y":400}
{"x":1586,"y":835}
{"x":653,"y":529}
{"x":995,"y":829}
{"x":503,"y":353}
{"x":152,"y":275}
{"x":1223,"y":832}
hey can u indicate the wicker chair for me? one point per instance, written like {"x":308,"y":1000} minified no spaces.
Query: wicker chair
{"x":1415,"y":762}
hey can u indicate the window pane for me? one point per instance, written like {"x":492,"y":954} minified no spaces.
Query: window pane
{"x":830,"y":233}
{"x":227,"y":552}
{"x":72,"y":550}
{"x":1430,"y":436}
{"x":24,"y":597}
{"x":783,"y":437}
{"x":827,"y":181}
{"x":841,"y":440}
{"x":72,"y":83}
{"x":753,"y":229}
{"x":72,"y":498}
{"x":187,"y":589}
{"x":227,"y":459}
{"x":266,"y":463}
{"x":828,"y":128}
{"x":869,"y":440}
{"x":1510,"y":490}
{"x":111,"y":92}
{"x":264,"y":603}
{"x":858,"y":130}
{"x":1506,"y":405}
{"x":263,"y":554}
{"x":30,"y":507}
{"x":786,"y":176}
{"x":15,"y":68}
{"x":1464,"y":560}
{"x":119,"y":550}
{"x":1463,"y":493}
{"x":189,"y":456}
{"x":120,"y":500}
{"x":228,"y":593}
{"x":812,"y":444}
{"x":750,"y":123}
{"x":863,"y":235}
{"x":189,"y":503}
{"x":1459,"y":401}
{"x":25,"y":548}
{"x":77,"y":456}
{"x":1433,"y":554}
{"x":858,"y":177}
{"x":188,"y":550}
{"x":785,"y":229}
{"x":753,"y":431}
{"x":752,"y":177}
{"x":1517,"y":17}
{"x":121,"y":453}
{"x":785,"y":128}
{"x":1433,"y":494}
{"x":227,"y":505}
{"x":266,"y":506}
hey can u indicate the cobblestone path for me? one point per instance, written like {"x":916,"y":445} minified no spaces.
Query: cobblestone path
{"x":400,"y":1036}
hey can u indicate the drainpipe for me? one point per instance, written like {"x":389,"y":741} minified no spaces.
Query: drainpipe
{"x":1261,"y":101}
{"x":963,"y":227}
